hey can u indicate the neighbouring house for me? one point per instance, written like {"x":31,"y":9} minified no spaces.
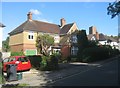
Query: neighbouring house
{"x":93,"y":34}
{"x":101,"y":38}
{"x":69,"y":44}
{"x":67,"y":36}
{"x":108,"y":40}
{"x":1,"y":34}
{"x":23,"y":38}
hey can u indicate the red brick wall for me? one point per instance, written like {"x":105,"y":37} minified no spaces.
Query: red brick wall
{"x":21,"y":47}
{"x":16,"y":48}
{"x":65,"y":50}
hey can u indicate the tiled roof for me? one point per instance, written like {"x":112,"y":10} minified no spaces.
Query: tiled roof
{"x":66,"y":28}
{"x":101,"y":37}
{"x":111,"y":38}
{"x":1,"y":25}
{"x":66,"y":39}
{"x":90,"y":36}
{"x":38,"y":26}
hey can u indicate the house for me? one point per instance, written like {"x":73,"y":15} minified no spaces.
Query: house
{"x":69,"y":44}
{"x":67,"y":36}
{"x":93,"y":34}
{"x":1,"y":33}
{"x":23,"y":38}
{"x":101,"y":38}
{"x":108,"y":40}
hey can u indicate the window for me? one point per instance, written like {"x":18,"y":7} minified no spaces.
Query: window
{"x":6,"y":60}
{"x":93,"y":38}
{"x":74,"y":39}
{"x":74,"y":50}
{"x":23,"y":59}
{"x":11,"y":59}
{"x":31,"y":35}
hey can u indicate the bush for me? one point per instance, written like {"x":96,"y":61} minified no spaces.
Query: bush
{"x":49,"y":63}
{"x":43,"y":64}
{"x":17,"y":54}
{"x":73,"y":59}
{"x":95,"y":53}
{"x":35,"y":61}
{"x":52,"y":62}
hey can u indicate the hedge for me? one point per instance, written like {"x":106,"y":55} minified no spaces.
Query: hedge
{"x":98,"y":53}
{"x":35,"y":61}
{"x":17,"y":54}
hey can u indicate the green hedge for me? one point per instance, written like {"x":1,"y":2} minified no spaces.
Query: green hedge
{"x":35,"y":61}
{"x":98,"y":53}
{"x":44,"y":63}
{"x":17,"y":54}
{"x":49,"y":63}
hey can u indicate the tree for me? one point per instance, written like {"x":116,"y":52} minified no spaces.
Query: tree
{"x":82,"y":41}
{"x":5,"y":45}
{"x":114,"y":9}
{"x":43,"y":42}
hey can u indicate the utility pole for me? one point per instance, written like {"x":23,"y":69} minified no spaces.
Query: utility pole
{"x":119,"y":31}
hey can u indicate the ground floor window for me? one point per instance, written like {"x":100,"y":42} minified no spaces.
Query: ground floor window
{"x":74,"y":50}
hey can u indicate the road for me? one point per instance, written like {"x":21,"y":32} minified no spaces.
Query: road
{"x":107,"y":74}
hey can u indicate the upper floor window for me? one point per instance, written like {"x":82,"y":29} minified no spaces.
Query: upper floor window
{"x":74,"y":39}
{"x":93,"y":38}
{"x":31,"y":35}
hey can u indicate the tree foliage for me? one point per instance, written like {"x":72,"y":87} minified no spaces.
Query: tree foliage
{"x":82,"y":40}
{"x":114,"y":9}
{"x":5,"y":45}
{"x":43,"y":42}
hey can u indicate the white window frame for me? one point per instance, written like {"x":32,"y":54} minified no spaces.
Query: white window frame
{"x":74,"y":50}
{"x":31,"y":35}
{"x":74,"y":39}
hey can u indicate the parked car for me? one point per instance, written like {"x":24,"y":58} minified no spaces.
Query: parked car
{"x":22,"y":63}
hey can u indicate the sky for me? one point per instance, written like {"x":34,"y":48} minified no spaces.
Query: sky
{"x":85,"y":14}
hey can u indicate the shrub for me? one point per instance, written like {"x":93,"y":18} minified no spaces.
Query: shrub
{"x":115,"y":52}
{"x":17,"y":54}
{"x":49,"y":63}
{"x":52,"y":62}
{"x":35,"y":61}
{"x":95,"y":54}
{"x":43,"y":64}
{"x":73,"y":59}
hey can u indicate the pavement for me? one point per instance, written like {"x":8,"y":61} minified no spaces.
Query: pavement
{"x":41,"y":78}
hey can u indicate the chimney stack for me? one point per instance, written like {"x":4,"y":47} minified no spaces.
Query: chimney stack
{"x":63,"y":22}
{"x":92,"y":30}
{"x":29,"y":16}
{"x":97,"y":35}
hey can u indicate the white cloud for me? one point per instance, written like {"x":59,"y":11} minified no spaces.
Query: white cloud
{"x":37,"y":16}
{"x":44,"y":20}
{"x":35,"y":11}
